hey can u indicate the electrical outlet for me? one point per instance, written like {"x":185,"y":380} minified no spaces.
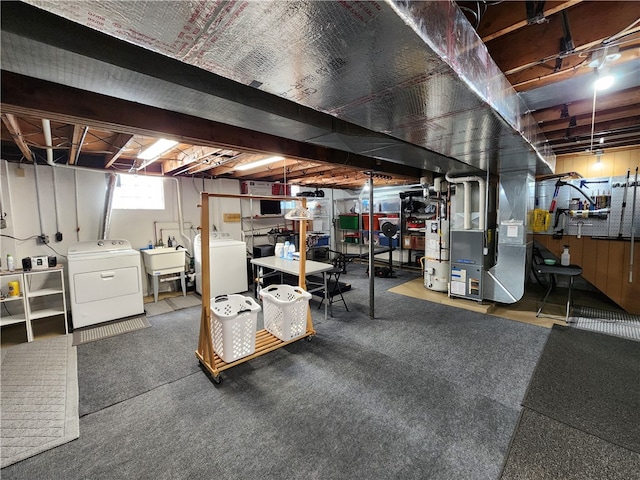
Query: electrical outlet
{"x":42,"y":239}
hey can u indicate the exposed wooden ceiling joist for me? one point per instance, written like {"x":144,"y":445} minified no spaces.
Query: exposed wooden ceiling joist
{"x":10,"y":122}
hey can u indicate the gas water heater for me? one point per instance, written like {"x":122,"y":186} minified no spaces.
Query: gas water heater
{"x":436,"y":269}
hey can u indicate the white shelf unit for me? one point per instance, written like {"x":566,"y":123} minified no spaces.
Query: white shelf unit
{"x":14,"y":310}
{"x":319,"y":234}
{"x":260,"y":229}
{"x":42,"y":295}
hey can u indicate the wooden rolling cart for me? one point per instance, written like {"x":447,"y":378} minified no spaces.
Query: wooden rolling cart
{"x":210,"y":362}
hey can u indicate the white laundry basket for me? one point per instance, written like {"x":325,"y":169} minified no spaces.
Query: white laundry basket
{"x":285,"y":311}
{"x":234,"y":322}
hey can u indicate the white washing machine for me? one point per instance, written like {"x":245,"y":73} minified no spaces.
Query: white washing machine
{"x":228,"y":261}
{"x":105,"y":281}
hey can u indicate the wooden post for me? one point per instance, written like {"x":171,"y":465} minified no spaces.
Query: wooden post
{"x":205,"y":346}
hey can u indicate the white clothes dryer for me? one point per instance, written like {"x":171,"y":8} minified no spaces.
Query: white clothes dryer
{"x":105,"y":281}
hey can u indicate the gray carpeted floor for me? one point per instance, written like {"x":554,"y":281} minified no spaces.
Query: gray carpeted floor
{"x":39,"y":398}
{"x":422,"y":391}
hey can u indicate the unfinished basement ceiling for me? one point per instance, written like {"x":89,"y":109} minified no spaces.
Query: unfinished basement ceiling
{"x":399,"y":88}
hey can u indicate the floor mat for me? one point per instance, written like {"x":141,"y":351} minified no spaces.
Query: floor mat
{"x":620,"y":324}
{"x":589,"y":381}
{"x":187,"y":301}
{"x":39,"y":398}
{"x":111,"y":329}
{"x":543,"y":448}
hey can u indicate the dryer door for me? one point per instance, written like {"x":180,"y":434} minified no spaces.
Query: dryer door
{"x":106,"y":284}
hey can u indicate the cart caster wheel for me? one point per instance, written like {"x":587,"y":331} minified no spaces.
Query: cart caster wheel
{"x":309,"y":338}
{"x":217,"y":379}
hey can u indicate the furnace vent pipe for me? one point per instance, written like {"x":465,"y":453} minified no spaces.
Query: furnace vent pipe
{"x":482,"y":185}
{"x":437,"y":185}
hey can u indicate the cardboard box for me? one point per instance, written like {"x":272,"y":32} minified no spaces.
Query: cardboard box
{"x":249,"y":187}
{"x":281,"y":189}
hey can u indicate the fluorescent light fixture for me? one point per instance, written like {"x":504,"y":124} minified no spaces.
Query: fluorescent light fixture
{"x":259,"y":163}
{"x":604,"y":80}
{"x":154,"y":151}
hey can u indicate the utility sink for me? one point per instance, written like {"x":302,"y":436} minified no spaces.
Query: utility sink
{"x":163,"y":260}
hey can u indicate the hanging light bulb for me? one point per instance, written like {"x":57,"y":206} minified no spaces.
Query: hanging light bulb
{"x":604,"y":79}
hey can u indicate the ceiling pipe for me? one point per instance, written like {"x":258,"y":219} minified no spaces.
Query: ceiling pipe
{"x":46,"y":129}
{"x":183,"y":235}
{"x":48,"y":141}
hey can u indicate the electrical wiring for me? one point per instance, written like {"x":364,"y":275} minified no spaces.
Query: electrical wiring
{"x":54,"y":251}
{"x":19,"y":239}
{"x":29,"y":238}
{"x":5,"y":307}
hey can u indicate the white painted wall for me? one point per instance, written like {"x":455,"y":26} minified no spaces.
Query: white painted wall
{"x":81,"y":220}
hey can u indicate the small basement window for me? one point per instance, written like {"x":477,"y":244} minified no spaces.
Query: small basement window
{"x":138,"y":192}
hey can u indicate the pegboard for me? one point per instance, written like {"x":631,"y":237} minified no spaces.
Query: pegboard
{"x":616,"y":223}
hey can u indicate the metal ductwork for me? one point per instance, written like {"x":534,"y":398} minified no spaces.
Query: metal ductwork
{"x":505,"y":281}
{"x":405,"y":82}
{"x":105,"y":226}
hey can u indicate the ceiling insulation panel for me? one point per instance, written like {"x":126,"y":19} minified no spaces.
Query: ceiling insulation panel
{"x":413,"y":71}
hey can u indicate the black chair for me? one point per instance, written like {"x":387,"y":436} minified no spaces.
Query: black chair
{"x":334,"y":289}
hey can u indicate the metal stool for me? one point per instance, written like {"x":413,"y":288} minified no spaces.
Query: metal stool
{"x":570,"y":270}
{"x":336,"y":290}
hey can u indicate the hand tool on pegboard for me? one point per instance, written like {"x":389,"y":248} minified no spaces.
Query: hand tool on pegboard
{"x":554,"y":199}
{"x":633,"y":216}
{"x":624,"y":203}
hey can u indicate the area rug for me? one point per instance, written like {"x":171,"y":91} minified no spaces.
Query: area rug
{"x":111,"y":329}
{"x":39,"y":398}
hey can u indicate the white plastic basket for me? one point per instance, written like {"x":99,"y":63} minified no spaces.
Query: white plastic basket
{"x":234,"y":322}
{"x":285,"y":311}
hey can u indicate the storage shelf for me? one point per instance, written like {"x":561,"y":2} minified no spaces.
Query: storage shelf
{"x":45,"y":283}
{"x":45,"y":312}
{"x":12,"y":319}
{"x":265,"y":342}
{"x":45,"y":291}
{"x":10,"y":299}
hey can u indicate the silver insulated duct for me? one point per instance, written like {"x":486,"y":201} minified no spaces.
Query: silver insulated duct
{"x":105,"y":226}
{"x":505,"y":281}
{"x":406,"y":82}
